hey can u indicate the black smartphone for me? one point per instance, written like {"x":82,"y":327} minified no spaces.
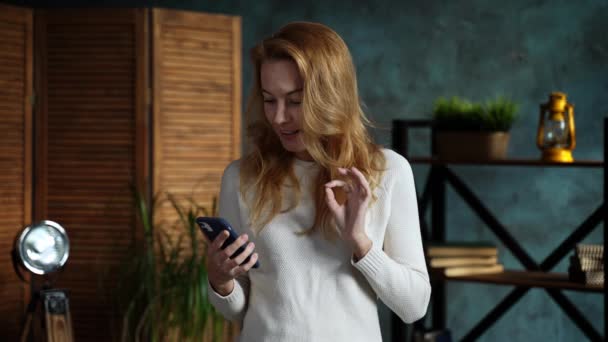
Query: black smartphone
{"x":213,"y":226}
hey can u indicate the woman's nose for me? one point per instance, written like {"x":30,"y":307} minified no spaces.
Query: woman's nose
{"x":280,"y":116}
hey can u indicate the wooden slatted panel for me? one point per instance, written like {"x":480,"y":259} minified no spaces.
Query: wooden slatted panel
{"x":15,"y":157}
{"x":197,"y":100}
{"x":92,"y":125}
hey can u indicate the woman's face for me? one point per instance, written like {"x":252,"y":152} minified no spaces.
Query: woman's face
{"x":282,"y":91}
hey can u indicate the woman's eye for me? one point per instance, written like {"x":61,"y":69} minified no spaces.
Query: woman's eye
{"x":268,"y":100}
{"x":293,"y":102}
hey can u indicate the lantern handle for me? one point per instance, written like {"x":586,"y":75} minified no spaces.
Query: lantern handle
{"x":570,"y":110}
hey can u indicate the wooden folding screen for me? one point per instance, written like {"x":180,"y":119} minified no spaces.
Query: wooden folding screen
{"x":98,"y":101}
{"x":15,"y":157}
{"x":91,"y":128}
{"x":98,"y":108}
{"x":197,"y":101}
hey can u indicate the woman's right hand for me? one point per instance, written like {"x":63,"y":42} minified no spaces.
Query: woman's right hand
{"x":221,"y":268}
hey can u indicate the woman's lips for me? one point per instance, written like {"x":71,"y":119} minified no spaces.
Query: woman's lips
{"x":289,"y":136}
{"x":290,"y":132}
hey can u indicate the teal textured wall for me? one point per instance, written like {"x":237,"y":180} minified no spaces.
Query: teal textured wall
{"x":408,"y":53}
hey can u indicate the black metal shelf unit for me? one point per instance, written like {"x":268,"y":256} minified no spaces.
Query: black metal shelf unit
{"x":535,"y":275}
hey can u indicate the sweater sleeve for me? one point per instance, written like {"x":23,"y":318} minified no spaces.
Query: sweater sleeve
{"x":234,"y":305}
{"x":398,"y":273}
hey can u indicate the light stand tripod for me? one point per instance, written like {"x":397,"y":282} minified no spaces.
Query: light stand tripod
{"x":43,"y":249}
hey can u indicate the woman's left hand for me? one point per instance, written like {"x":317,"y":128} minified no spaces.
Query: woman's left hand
{"x":350,"y":216}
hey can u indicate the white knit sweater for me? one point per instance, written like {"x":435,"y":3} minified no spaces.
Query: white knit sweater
{"x":309,"y":289}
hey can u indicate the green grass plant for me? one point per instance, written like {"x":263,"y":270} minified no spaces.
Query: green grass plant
{"x":459,"y":114}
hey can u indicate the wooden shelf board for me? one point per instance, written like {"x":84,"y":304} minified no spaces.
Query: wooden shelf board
{"x":508,"y":162}
{"x":526,"y":279}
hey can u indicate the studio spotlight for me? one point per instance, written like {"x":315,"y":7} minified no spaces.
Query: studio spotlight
{"x":43,"y":248}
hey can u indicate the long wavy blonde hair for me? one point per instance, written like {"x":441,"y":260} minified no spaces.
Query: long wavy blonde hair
{"x":333,"y":126}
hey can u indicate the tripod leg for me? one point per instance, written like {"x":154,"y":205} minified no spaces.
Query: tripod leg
{"x":31,"y":308}
{"x":26,"y":327}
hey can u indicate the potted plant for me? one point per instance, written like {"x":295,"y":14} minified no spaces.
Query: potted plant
{"x":162,"y":293}
{"x":472,"y":131}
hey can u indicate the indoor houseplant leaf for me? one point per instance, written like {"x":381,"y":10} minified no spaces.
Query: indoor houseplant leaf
{"x":163,"y":291}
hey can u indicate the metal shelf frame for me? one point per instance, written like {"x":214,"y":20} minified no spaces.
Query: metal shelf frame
{"x":434,"y":195}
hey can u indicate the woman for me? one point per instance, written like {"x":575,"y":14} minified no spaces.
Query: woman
{"x":331,"y":217}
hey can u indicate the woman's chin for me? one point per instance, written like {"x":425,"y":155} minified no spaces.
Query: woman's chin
{"x":294,"y":148}
{"x":293,"y":145}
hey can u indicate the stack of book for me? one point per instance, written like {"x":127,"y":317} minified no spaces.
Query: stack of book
{"x":463,"y":258}
{"x":587,"y":264}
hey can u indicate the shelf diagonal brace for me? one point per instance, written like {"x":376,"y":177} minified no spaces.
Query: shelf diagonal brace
{"x":575,"y":315}
{"x":486,"y":216}
{"x":579,"y":234}
{"x":499,"y":310}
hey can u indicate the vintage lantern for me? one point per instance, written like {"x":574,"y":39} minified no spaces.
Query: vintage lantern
{"x":556,"y":138}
